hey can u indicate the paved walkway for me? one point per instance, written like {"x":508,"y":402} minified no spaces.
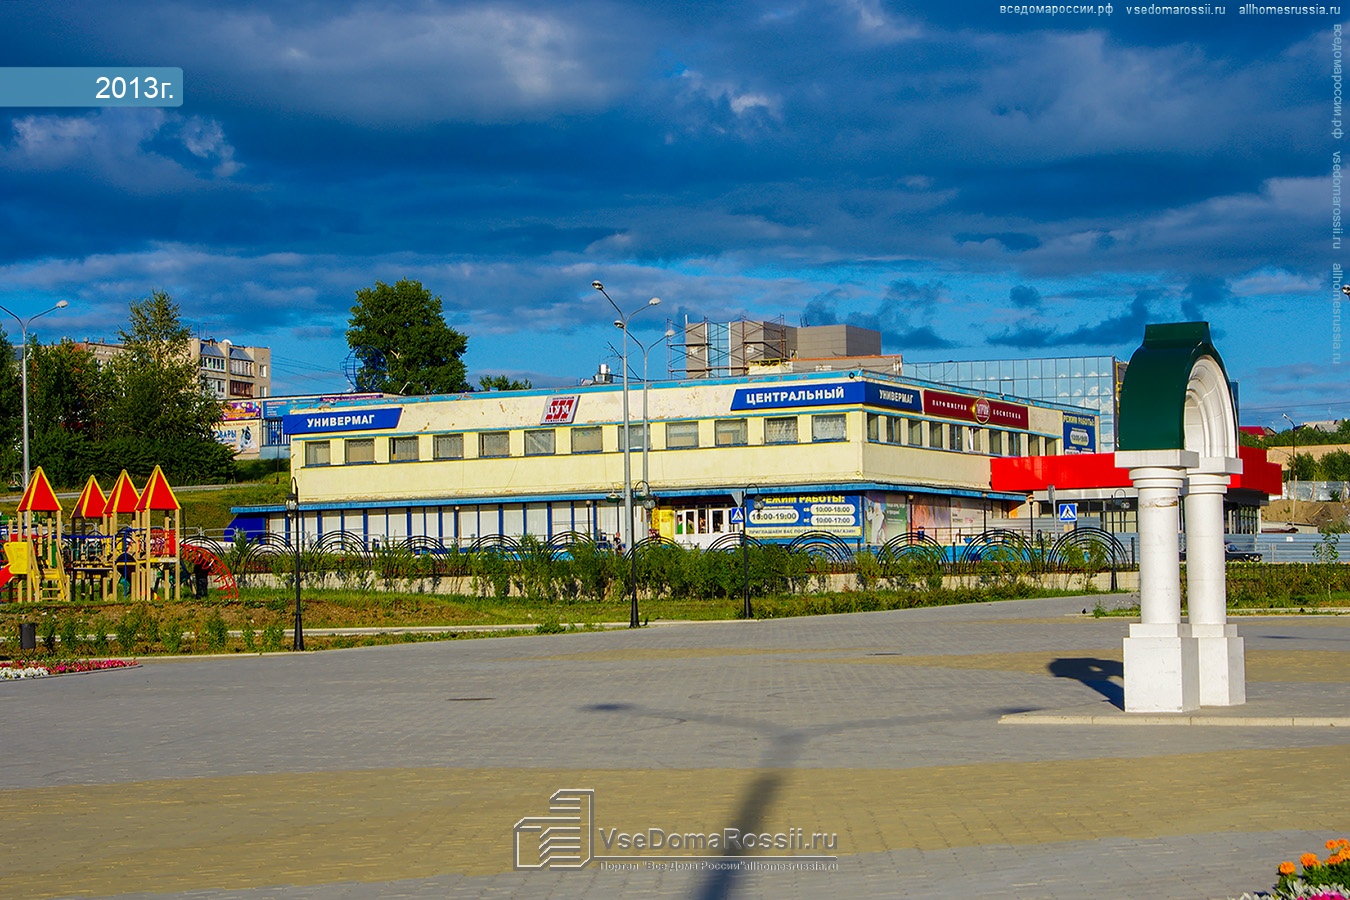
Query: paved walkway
{"x":401,"y":771}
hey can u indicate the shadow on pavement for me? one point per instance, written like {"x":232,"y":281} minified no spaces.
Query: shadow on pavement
{"x":1094,"y":673}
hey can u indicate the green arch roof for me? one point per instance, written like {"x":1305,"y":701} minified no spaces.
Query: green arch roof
{"x":1153,"y":395}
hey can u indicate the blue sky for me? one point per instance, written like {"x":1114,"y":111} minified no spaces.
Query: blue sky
{"x":975,"y":184}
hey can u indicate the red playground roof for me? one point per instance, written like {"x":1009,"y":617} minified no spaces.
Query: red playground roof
{"x":157,"y":494}
{"x":1026,"y":474}
{"x":39,"y":497}
{"x":92,"y":502}
{"x":123,"y":497}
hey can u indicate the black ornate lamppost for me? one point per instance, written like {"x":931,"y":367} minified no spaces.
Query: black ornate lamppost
{"x":293,"y":513}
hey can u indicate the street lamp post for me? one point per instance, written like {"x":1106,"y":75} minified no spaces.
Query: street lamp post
{"x":1118,"y":502}
{"x":622,"y":324}
{"x":646,"y":419}
{"x":293,"y":511}
{"x":746,"y":506}
{"x":23,"y":329}
{"x":1293,"y":473}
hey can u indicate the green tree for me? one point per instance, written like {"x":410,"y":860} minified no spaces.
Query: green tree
{"x":11,"y":413}
{"x":502,"y":383}
{"x":155,"y":387}
{"x":1302,"y":468}
{"x":67,"y":390}
{"x":1336,"y":466}
{"x":402,"y":344}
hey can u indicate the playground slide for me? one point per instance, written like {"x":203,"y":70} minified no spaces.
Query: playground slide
{"x":5,"y":575}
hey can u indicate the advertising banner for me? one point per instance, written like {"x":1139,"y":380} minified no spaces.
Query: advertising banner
{"x":241,"y":435}
{"x":241,"y":409}
{"x":1080,"y":434}
{"x":975,"y":409}
{"x":787,"y":516}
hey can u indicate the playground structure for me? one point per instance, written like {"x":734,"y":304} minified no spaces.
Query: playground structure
{"x":113,"y":548}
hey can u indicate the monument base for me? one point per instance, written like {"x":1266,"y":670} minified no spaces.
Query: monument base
{"x":1162,"y":669}
{"x":1223,"y":668}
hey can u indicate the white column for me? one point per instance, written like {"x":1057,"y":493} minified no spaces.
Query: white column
{"x":1220,"y":651}
{"x":1161,"y":656}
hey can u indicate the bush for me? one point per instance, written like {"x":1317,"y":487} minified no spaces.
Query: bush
{"x":272,"y":637}
{"x":70,"y":635}
{"x":215,"y":633}
{"x":171,"y":635}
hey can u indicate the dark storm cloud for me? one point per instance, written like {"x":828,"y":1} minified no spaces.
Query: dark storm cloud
{"x":1024,"y":297}
{"x":1112,"y":332}
{"x":734,"y":159}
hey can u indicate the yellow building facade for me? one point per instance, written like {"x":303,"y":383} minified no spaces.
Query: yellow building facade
{"x":860,"y":456}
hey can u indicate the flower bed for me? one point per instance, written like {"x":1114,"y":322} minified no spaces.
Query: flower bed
{"x":18,"y":668}
{"x":1321,"y":879}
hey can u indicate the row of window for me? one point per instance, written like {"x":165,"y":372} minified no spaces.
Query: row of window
{"x":953,"y":436}
{"x":685,"y":436}
{"x":583,"y":439}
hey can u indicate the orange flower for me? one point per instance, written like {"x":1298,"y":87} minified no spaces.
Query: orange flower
{"x":1287,"y":868}
{"x":1309,"y":860}
{"x":1336,"y":859}
{"x":1332,"y":844}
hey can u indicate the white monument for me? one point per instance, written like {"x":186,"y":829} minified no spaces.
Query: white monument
{"x":1177,"y":436}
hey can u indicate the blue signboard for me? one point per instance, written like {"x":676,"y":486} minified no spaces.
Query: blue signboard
{"x":787,"y":516}
{"x":1068,"y":512}
{"x":893,"y":397}
{"x":1080,"y":434}
{"x":342,"y":420}
{"x":829,"y":394}
{"x":832,"y":393}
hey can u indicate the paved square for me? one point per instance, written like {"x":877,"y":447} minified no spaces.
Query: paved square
{"x":401,"y":771}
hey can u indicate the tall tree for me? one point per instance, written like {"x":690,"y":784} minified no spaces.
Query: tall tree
{"x":156,"y":388}
{"x":67,"y":390}
{"x":11,"y":414}
{"x":402,"y":344}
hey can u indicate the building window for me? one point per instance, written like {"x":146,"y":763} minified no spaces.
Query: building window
{"x":681,"y":435}
{"x":317,"y":453}
{"x":241,"y":389}
{"x":447,"y":446}
{"x":895,"y":430}
{"x":1014,"y":443}
{"x":359,"y":450}
{"x":955,"y":437}
{"x":1051,"y":447}
{"x":780,"y":431}
{"x":995,"y":443}
{"x":635,"y":432}
{"x":974,"y":440}
{"x":539,"y":442}
{"x":403,"y":449}
{"x":915,"y":433}
{"x":586,"y":440}
{"x":731,"y":432}
{"x":935,"y":435}
{"x":494,"y":443}
{"x":874,"y":425}
{"x":830,"y":427}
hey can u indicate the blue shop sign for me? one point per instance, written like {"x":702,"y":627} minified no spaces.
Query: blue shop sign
{"x":1080,"y":434}
{"x":342,"y":420}
{"x":834,"y":393}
